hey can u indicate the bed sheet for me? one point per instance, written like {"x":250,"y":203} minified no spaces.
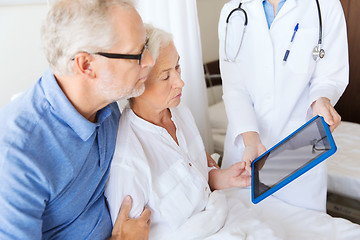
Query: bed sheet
{"x":231,"y":215}
{"x":344,"y":165}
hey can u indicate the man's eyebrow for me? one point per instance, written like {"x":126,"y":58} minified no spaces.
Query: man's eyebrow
{"x":138,"y":48}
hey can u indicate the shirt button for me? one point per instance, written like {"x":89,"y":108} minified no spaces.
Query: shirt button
{"x":190,"y":164}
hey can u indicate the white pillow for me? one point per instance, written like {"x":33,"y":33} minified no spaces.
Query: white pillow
{"x":218,"y":118}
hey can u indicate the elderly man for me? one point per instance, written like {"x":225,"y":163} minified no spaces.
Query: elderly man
{"x":57,"y":139}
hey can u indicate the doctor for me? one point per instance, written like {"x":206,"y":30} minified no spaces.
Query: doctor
{"x":290,"y":64}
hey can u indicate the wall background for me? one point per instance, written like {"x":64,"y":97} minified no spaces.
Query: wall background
{"x":209,"y":13}
{"x":22,"y":61}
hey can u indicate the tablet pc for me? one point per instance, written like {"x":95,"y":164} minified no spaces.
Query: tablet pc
{"x":302,"y":150}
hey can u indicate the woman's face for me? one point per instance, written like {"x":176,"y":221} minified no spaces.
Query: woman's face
{"x":164,"y":85}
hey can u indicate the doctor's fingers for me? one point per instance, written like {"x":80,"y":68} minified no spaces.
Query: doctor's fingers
{"x":336,"y":119}
{"x":331,"y":117}
{"x":326,"y":113}
{"x":248,"y":167}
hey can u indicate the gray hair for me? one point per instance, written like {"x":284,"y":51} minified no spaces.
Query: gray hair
{"x":157,"y":39}
{"x":74,"y":26}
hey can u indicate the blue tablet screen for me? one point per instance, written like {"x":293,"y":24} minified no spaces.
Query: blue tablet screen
{"x":294,"y":153}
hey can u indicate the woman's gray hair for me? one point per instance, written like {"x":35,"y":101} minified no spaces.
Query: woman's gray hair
{"x":74,"y":26}
{"x":157,"y":39}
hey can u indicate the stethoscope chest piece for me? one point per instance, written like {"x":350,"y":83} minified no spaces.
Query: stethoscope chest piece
{"x":318,"y":52}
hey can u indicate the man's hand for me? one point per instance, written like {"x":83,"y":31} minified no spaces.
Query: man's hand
{"x":126,"y":228}
{"x":323,"y":107}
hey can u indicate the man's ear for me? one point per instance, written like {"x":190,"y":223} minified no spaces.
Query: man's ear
{"x":83,"y":64}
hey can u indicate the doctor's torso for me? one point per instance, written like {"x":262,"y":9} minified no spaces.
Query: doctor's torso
{"x":278,"y":90}
{"x":265,"y":94}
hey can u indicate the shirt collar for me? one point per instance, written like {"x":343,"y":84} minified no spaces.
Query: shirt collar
{"x":245,"y":1}
{"x":269,"y":2}
{"x":145,"y":124}
{"x":65,"y":110}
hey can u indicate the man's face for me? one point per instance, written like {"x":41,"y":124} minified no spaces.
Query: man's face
{"x":124,"y":78}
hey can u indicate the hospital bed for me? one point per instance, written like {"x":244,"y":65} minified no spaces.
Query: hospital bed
{"x":343,"y":166}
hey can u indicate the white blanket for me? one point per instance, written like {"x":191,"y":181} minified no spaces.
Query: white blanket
{"x":344,"y":165}
{"x":231,"y":215}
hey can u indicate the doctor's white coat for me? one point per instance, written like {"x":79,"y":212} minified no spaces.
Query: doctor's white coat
{"x":263,"y":93}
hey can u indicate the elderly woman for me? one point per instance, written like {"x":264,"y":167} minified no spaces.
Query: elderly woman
{"x":160,"y":160}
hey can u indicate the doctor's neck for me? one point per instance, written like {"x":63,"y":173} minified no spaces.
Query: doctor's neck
{"x":275,"y":4}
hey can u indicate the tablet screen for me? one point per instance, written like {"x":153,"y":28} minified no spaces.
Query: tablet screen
{"x":289,"y":156}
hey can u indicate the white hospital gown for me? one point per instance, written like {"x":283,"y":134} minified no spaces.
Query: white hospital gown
{"x":148,"y":165}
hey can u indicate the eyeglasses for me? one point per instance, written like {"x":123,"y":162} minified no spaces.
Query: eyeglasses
{"x":126,"y":56}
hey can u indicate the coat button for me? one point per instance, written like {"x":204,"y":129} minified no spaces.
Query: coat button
{"x":205,"y":189}
{"x":190,"y":164}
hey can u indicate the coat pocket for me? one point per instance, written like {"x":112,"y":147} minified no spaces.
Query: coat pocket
{"x":300,"y":57}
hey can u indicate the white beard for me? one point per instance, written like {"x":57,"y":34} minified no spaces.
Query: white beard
{"x":111,"y":95}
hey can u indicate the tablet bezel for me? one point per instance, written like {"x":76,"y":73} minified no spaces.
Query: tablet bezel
{"x":301,"y":170}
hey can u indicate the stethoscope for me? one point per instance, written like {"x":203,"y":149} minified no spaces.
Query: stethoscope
{"x":318,"y":52}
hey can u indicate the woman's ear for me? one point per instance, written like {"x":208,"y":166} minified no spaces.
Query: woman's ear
{"x":83,"y":64}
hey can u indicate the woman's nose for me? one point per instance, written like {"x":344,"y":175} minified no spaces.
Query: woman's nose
{"x":179,"y":82}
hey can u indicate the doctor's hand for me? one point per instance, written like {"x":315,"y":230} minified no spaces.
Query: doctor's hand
{"x":251,"y":153}
{"x":130,"y":228}
{"x":253,"y":148}
{"x":323,"y":107}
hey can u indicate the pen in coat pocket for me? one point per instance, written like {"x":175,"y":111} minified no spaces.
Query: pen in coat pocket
{"x":292,"y":39}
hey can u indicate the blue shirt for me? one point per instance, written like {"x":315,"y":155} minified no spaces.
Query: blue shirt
{"x":269,"y":10}
{"x":53,"y":166}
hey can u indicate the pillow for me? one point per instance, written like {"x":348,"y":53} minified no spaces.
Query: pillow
{"x":218,"y":118}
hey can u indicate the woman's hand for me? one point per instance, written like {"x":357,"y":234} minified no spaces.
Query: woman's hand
{"x":238,"y":176}
{"x":323,"y":107}
{"x":211,"y":162}
{"x":234,"y":176}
